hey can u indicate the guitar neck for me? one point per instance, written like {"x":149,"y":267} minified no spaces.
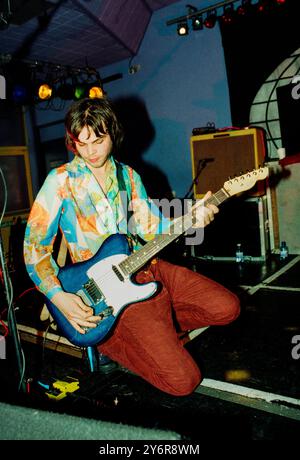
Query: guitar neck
{"x":179,"y":226}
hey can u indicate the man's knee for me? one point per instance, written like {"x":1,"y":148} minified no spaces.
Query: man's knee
{"x":184,"y":383}
{"x":232,"y":308}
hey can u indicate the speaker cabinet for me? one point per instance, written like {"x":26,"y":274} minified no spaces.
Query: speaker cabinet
{"x":224,"y":154}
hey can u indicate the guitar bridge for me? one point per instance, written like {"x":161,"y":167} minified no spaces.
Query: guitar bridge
{"x":106,"y":312}
{"x":93,"y":291}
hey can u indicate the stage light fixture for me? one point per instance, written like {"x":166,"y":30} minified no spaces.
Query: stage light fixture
{"x":197,"y":22}
{"x":228,"y":15}
{"x":20,"y":94}
{"x":265,"y":6}
{"x":245,"y":7}
{"x":183,"y":28}
{"x":210,"y":20}
{"x":79,"y":91}
{"x":261,"y":7}
{"x":95,"y":92}
{"x":45,"y":91}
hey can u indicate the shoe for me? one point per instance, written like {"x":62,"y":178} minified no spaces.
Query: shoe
{"x":98,"y":362}
{"x":106,"y":365}
{"x":103,"y":359}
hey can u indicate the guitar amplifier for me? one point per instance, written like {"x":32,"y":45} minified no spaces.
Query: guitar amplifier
{"x":240,"y":220}
{"x":218,"y":156}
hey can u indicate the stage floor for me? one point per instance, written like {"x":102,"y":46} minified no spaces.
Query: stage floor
{"x":251,"y":367}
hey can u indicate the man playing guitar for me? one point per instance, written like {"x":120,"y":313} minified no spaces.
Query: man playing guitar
{"x":83,"y":199}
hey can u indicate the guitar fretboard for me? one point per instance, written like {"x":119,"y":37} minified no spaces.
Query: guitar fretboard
{"x":179,"y":226}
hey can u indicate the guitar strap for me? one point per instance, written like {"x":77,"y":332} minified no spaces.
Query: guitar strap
{"x":127,"y":212}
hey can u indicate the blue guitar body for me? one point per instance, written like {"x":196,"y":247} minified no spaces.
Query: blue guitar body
{"x":102,"y":285}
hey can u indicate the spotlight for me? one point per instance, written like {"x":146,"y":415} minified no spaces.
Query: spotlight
{"x":264,"y":6}
{"x":210,"y":20}
{"x":20,"y":94}
{"x":197,"y":22}
{"x":183,"y":28}
{"x":80,"y":91}
{"x":45,"y":91}
{"x":244,"y":8}
{"x":261,"y":6}
{"x":95,"y":92}
{"x":280,"y":2}
{"x":228,"y":15}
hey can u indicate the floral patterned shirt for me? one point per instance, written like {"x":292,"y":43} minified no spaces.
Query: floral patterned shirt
{"x":72,"y":200}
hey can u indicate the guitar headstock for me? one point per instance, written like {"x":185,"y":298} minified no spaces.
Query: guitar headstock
{"x":245,"y":181}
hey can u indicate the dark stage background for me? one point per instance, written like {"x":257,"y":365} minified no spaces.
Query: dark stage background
{"x":254,"y":46}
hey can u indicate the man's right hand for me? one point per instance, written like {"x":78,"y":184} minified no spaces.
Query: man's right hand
{"x":75,"y":310}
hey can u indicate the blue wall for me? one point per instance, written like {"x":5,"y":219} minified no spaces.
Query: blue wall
{"x":182,"y":82}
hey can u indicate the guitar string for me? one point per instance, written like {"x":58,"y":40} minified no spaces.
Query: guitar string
{"x":152,"y":251}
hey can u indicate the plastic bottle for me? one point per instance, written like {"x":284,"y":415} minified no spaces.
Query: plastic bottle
{"x":284,"y":252}
{"x":239,"y":255}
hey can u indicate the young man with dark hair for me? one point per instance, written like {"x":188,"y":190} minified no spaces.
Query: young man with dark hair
{"x":83,"y":199}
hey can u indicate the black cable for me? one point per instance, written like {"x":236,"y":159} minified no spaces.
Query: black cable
{"x":201,"y":165}
{"x":11,"y":319}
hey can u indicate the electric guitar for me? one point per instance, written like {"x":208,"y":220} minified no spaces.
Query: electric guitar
{"x":104,"y":281}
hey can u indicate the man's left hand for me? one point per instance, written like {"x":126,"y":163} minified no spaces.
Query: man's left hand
{"x":205,"y":213}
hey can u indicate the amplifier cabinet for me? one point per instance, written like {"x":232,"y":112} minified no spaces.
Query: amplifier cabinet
{"x":220,"y":155}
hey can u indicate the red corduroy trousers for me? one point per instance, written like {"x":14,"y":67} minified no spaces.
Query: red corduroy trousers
{"x":145,"y":339}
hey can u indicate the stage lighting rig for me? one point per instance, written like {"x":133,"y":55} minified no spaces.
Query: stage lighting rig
{"x":245,"y":7}
{"x":47,"y":84}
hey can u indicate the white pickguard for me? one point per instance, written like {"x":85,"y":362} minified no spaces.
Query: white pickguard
{"x":118,"y":293}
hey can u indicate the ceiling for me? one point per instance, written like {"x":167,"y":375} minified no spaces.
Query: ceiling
{"x":78,"y":33}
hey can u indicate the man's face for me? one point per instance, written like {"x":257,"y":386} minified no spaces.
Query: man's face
{"x":93,"y":149}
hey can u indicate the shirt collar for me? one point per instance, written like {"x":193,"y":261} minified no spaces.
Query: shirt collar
{"x":78,"y":163}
